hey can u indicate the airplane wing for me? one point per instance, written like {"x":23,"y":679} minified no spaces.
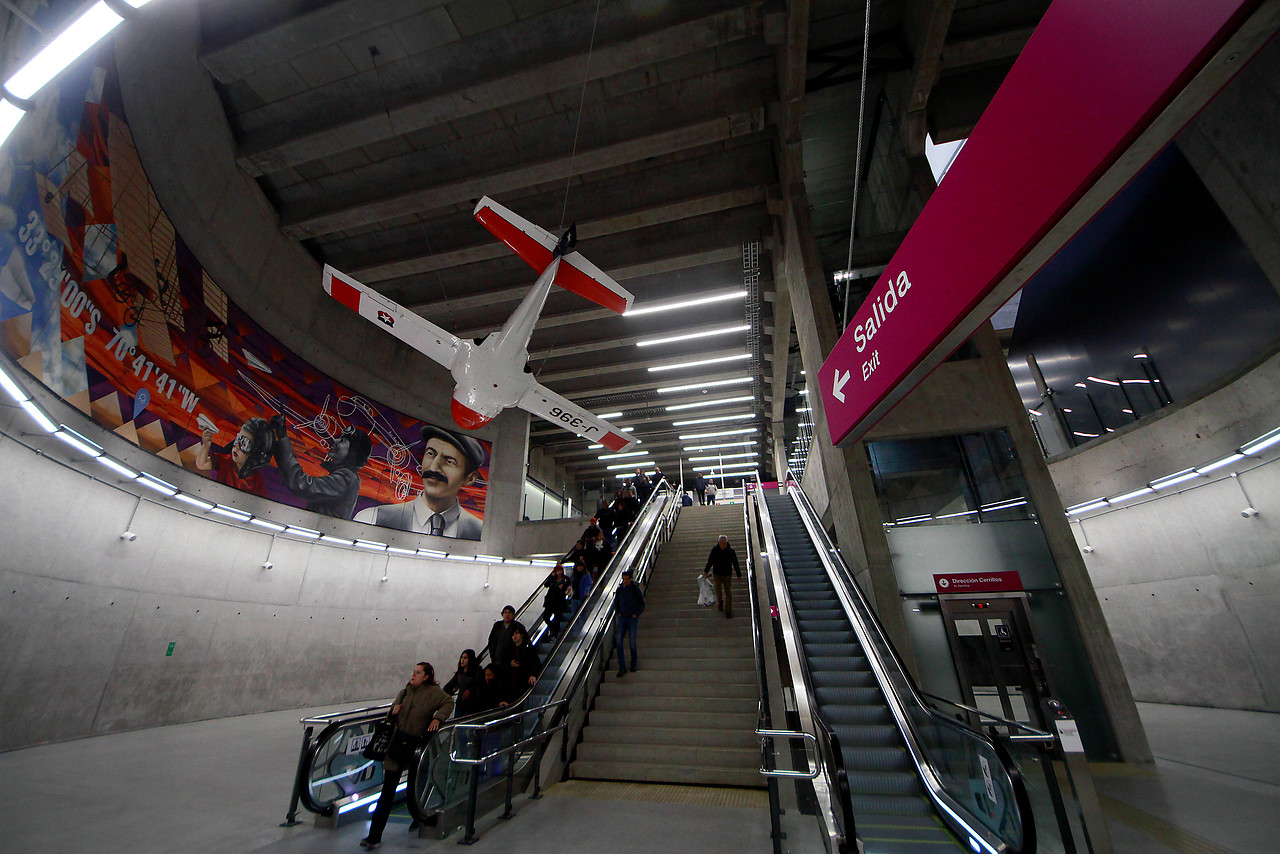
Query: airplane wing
{"x":535,"y":245}
{"x":562,"y":412}
{"x":414,"y":330}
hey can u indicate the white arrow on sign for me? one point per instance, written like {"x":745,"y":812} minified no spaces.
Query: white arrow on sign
{"x":838,"y":388}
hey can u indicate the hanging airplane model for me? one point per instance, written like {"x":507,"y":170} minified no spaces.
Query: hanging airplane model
{"x":493,"y":374}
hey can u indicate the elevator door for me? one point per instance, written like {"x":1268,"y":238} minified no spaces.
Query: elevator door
{"x":995,"y":656}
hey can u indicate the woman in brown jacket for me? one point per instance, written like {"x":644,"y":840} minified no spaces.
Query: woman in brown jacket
{"x":419,"y":709}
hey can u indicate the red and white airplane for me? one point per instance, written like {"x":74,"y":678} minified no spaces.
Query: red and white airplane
{"x":493,"y":375}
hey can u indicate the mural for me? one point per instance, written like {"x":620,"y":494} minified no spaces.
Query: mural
{"x":103,"y":303}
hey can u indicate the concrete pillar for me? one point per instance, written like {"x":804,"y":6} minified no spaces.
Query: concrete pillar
{"x":506,"y":481}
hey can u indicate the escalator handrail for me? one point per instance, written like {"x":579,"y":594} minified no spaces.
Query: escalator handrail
{"x":631,"y":549}
{"x":335,"y":721}
{"x":865,"y":621}
{"x":833,"y":794}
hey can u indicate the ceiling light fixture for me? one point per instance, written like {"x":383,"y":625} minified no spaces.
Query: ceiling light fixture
{"x":671,"y":339}
{"x":699,"y":363}
{"x":743,"y":432}
{"x":673,"y":306}
{"x":715,"y":457}
{"x":699,"y":386}
{"x":744,"y":399}
{"x":739,"y":417}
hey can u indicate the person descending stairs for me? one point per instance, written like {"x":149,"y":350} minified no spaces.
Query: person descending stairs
{"x":688,"y":715}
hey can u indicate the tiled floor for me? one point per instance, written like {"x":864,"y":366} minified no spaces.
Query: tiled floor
{"x":223,"y":786}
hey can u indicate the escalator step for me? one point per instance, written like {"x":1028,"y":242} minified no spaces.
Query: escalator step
{"x":840,"y":663}
{"x":877,"y":758}
{"x":830,"y":637}
{"x":884,"y":783}
{"x":850,"y":652}
{"x":889,"y":805}
{"x":854,"y":734}
{"x":822,"y":625}
{"x":856,"y":714}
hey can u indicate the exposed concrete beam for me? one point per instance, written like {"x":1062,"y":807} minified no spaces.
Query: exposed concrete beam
{"x":793,"y":70}
{"x":264,"y":153}
{"x":351,"y":213}
{"x":928,"y":22}
{"x":996,"y":47}
{"x":633,"y":271}
{"x":490,"y":249}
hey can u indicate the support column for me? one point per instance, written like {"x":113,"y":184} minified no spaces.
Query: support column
{"x":506,"y":481}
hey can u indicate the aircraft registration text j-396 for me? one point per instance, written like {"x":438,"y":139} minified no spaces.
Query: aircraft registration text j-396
{"x":491,"y":375}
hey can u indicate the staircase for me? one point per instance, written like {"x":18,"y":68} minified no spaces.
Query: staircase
{"x":688,"y":715}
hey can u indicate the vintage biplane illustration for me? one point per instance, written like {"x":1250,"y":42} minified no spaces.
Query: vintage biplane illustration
{"x":493,"y":374}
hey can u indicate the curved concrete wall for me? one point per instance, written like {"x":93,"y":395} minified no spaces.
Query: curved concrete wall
{"x":1189,"y":587}
{"x":86,"y":623}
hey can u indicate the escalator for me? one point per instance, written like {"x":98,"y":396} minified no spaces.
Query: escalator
{"x":452,"y":782}
{"x":908,"y":778}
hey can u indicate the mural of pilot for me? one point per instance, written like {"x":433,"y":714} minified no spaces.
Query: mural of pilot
{"x":449,"y":462}
{"x":332,"y":494}
{"x":237,"y":464}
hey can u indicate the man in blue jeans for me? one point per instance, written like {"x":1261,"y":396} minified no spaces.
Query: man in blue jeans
{"x":628,"y":604}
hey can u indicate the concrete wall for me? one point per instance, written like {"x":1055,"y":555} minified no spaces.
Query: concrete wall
{"x":1189,"y":587}
{"x":88,"y":619}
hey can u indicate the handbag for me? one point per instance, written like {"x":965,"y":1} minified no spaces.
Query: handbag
{"x":380,"y":741}
{"x":402,"y":747}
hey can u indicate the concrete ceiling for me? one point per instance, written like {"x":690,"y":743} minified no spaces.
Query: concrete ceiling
{"x":373,"y":126}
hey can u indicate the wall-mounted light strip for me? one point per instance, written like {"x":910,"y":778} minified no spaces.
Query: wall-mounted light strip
{"x":194,"y":502}
{"x":116,"y":467}
{"x":80,"y":443}
{"x":231,"y":513}
{"x":265,"y":523}
{"x":306,"y":533}
{"x":155,"y":483}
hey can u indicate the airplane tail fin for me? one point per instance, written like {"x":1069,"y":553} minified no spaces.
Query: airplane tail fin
{"x":537,"y":246}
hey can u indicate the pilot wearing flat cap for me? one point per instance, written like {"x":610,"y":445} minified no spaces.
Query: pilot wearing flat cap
{"x":449,"y":462}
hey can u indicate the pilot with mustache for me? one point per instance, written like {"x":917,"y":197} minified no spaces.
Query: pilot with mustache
{"x":332,"y":494}
{"x":449,"y":462}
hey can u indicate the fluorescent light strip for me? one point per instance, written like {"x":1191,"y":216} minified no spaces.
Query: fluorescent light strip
{"x":1086,"y":507}
{"x":719,"y":433}
{"x":430,"y":553}
{"x":672,"y":306}
{"x":1101,"y":380}
{"x":371,"y":546}
{"x":745,"y":465}
{"x":117,"y":467}
{"x":196,"y":502}
{"x":231,"y":513}
{"x":330,"y":538}
{"x":626,"y":465}
{"x":489,"y":558}
{"x":1128,"y":496}
{"x":910,"y":520}
{"x":723,"y":457}
{"x":80,"y":443}
{"x":743,"y":399}
{"x":152,"y":482}
{"x":94,"y":25}
{"x":1260,"y":444}
{"x":954,"y":515}
{"x":1222,"y":463}
{"x":1174,"y":479}
{"x":609,"y":415}
{"x":719,"y":418}
{"x":1000,"y":505}
{"x":263,"y":523}
{"x":398,"y":551}
{"x":15,"y":391}
{"x":699,"y":386}
{"x":719,"y":360}
{"x":748,"y":443}
{"x":621,"y":456}
{"x":38,"y":416}
{"x":672,"y":339}
{"x":302,"y":532}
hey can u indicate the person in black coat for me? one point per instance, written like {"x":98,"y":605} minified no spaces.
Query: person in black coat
{"x":522,"y":669}
{"x":500,"y":638}
{"x":555,"y":605}
{"x":466,"y":684}
{"x":722,"y":561}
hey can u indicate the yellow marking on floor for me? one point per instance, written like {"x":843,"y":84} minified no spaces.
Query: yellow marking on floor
{"x":701,"y":796}
{"x":1175,"y":837}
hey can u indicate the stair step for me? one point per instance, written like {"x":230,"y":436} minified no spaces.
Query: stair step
{"x":695,"y":709}
{"x":726,"y":720}
{"x":678,"y":774}
{"x":672,"y":754}
{"x":649,"y":735}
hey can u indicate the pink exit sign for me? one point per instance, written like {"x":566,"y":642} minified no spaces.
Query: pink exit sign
{"x":1100,"y":87}
{"x":978,"y":582}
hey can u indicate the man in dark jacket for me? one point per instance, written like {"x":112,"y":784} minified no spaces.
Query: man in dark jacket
{"x":628,"y":604}
{"x":500,"y":646}
{"x":722,"y":561}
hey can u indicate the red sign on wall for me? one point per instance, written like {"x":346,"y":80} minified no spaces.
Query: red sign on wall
{"x":1095,"y":75}
{"x":978,"y":582}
